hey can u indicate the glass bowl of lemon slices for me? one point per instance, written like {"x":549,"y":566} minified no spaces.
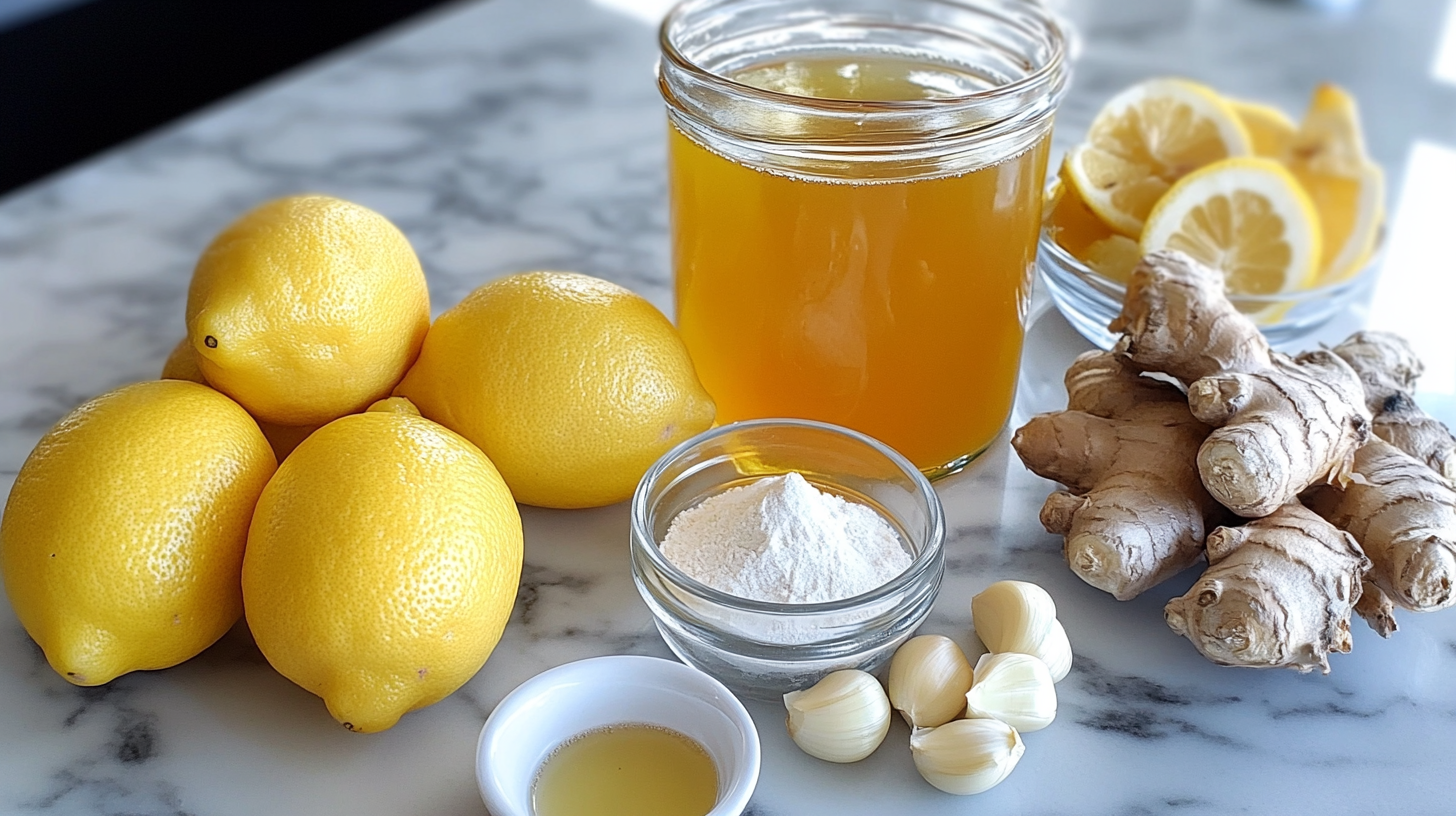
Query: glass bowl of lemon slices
{"x":1290,"y":212}
{"x":1089,"y":300}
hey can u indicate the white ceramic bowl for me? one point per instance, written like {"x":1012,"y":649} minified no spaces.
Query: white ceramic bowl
{"x":560,"y":703}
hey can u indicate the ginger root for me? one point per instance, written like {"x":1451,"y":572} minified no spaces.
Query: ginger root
{"x":1136,"y":513}
{"x":1376,"y":608}
{"x":1282,"y":423}
{"x":1388,"y":368}
{"x":1278,"y":592}
{"x":1149,"y":466}
{"x":1404,"y":516}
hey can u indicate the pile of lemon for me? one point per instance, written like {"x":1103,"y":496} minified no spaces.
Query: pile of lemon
{"x":1169,"y":163}
{"x":322,"y":459}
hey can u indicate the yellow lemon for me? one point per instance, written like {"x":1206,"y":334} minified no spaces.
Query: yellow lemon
{"x":1328,"y":157}
{"x":307,"y":308}
{"x":382,"y":564}
{"x":573,"y":386}
{"x":394,"y":405}
{"x":1145,"y":139}
{"x":1271,"y":131}
{"x":122,"y":541}
{"x":1246,"y":216}
{"x":182,"y":364}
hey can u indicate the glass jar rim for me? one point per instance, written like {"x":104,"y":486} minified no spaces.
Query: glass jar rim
{"x":924,"y":560}
{"x":1016,"y":49}
{"x":1050,"y":72}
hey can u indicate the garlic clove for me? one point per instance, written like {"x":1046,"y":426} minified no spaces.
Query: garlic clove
{"x":842,"y":718}
{"x":1018,"y":616}
{"x":1013,"y":616}
{"x":1056,"y":652}
{"x":1016,"y":689}
{"x":929,"y":678}
{"x":966,"y":756}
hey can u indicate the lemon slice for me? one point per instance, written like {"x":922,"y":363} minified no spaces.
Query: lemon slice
{"x":1145,"y":139}
{"x":1247,"y":216}
{"x":1350,"y":211}
{"x":1078,"y":230}
{"x":1271,"y":131}
{"x":1114,"y":257}
{"x":1119,"y":192}
{"x":1329,"y":139}
{"x":1069,"y":221}
{"x":1327,"y":155}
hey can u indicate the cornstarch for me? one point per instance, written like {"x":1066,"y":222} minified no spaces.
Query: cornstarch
{"x":781,"y":539}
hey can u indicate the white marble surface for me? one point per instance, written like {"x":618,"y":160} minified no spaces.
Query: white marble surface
{"x":519,"y":134}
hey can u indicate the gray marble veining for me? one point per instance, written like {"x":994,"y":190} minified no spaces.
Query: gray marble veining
{"x":513,"y":134}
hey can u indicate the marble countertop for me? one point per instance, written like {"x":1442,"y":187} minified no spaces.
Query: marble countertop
{"x":517,"y":134}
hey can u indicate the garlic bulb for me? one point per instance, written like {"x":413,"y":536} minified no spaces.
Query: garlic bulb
{"x":966,"y":756}
{"x":842,"y":718}
{"x":929,"y":678}
{"x":1014,"y":688}
{"x":1018,"y":616}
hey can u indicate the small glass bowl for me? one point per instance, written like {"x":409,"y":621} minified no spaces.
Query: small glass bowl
{"x":1090,"y":300}
{"x":762,"y":649}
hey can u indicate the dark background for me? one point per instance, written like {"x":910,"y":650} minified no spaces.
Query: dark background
{"x":79,"y":77}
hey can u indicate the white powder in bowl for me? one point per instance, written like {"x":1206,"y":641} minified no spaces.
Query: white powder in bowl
{"x":783,"y":540}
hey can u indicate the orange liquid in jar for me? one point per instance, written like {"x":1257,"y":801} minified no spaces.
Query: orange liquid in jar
{"x":895,"y":308}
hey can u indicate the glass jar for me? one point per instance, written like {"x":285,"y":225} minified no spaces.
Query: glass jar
{"x":761,"y":648}
{"x":856,"y":191}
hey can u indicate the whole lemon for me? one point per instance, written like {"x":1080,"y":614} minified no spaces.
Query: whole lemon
{"x":382,"y":565}
{"x":307,"y":308}
{"x":122,"y":541}
{"x":573,"y":386}
{"x":182,"y":364}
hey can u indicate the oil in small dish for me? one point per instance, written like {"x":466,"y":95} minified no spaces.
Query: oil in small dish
{"x":630,"y":769}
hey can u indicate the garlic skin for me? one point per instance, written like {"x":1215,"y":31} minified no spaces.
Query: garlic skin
{"x":842,"y":718}
{"x":966,"y":756}
{"x":929,"y":678}
{"x":1019,"y":616}
{"x":1016,"y":689}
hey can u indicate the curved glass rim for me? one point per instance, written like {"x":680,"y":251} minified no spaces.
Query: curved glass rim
{"x":923,"y":560}
{"x":1055,"y":38}
{"x":1117,"y":289}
